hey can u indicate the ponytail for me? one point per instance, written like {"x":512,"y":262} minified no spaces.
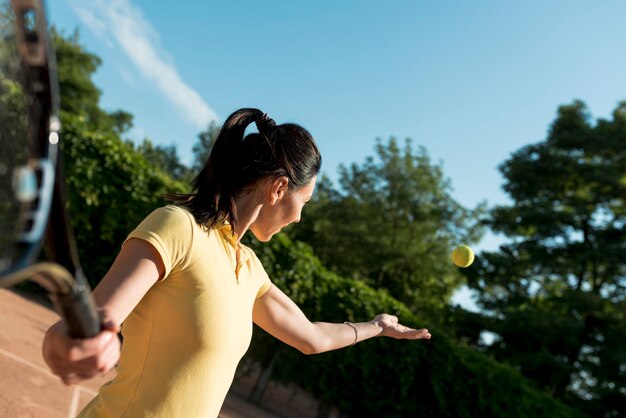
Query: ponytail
{"x":237,"y":162}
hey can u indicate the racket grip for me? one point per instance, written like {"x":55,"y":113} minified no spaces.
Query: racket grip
{"x":79,"y":312}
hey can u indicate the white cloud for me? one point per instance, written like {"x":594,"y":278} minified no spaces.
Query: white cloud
{"x":122,"y":21}
{"x":97,"y":26}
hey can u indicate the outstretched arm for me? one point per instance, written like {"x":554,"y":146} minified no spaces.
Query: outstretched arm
{"x":281,"y":317}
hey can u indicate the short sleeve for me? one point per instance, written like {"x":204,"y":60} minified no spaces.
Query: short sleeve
{"x":170,"y":231}
{"x":260,"y":274}
{"x":265,"y":286}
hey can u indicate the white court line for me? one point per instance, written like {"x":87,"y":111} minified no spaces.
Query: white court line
{"x":26,"y":363}
{"x":74,"y":403}
{"x":41,"y":369}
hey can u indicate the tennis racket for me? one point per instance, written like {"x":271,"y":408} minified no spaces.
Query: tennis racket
{"x":32,"y":185}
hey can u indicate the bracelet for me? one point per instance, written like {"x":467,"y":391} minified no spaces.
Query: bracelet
{"x":356,"y":333}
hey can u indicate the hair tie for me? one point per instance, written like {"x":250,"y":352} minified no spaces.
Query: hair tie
{"x":265,"y":124}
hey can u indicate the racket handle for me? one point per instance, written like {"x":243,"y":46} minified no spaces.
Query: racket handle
{"x":70,"y":294}
{"x":79,"y":312}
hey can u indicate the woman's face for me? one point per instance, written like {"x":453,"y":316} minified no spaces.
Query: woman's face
{"x":285,"y":210}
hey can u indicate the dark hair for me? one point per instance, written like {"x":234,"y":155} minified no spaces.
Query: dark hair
{"x":237,"y":162}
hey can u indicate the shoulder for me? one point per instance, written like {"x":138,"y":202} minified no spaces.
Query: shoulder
{"x":168,"y":223}
{"x":170,"y":215}
{"x":248,"y":251}
{"x":173,"y":211}
{"x":170,"y":230}
{"x":250,"y":255}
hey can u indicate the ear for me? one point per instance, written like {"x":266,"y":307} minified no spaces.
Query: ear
{"x":278,"y":188}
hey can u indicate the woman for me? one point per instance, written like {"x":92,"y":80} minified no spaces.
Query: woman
{"x":187,"y":291}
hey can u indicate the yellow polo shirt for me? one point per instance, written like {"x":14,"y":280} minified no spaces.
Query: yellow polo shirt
{"x":183,"y":341}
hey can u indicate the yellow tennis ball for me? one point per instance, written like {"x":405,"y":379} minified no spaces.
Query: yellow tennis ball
{"x":463,"y":256}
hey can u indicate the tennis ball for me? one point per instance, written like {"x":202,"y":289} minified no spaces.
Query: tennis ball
{"x":463,"y":256}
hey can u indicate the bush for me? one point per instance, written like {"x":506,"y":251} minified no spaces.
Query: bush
{"x":385,"y":377}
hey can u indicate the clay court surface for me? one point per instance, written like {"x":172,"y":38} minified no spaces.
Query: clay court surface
{"x":29,"y":390}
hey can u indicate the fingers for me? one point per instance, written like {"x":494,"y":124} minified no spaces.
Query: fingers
{"x":75,"y":360}
{"x":109,"y":358}
{"x":392,"y":328}
{"x":107,"y":323}
{"x":104,"y":357}
{"x":420,"y":334}
{"x":76,"y":349}
{"x":403,"y":332}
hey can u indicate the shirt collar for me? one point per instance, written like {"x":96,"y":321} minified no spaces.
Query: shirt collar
{"x":225,"y":230}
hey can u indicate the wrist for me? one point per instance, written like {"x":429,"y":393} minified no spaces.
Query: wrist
{"x":378,"y":325}
{"x":356,"y":332}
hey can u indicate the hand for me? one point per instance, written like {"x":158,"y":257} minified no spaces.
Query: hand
{"x":391,"y":328}
{"x":75,"y":360}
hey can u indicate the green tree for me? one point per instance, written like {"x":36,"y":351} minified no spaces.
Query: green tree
{"x":111,"y":189}
{"x":111,"y":186}
{"x":202,"y":148}
{"x":79,"y":95}
{"x":121,"y":121}
{"x":13,"y":130}
{"x":554,"y":293}
{"x":384,"y":377}
{"x":392,"y":223}
{"x":166,"y":158}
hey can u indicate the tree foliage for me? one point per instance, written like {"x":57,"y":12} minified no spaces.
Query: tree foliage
{"x":111,"y":189}
{"x":385,"y":377}
{"x":391,"y":223}
{"x":79,"y":95}
{"x":111,"y":186}
{"x":165,"y":158}
{"x":555,"y":291}
{"x":202,"y":148}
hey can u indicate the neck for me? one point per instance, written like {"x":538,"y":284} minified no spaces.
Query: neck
{"x":248,"y":208}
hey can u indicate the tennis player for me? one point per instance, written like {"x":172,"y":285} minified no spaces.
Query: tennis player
{"x":187,"y":291}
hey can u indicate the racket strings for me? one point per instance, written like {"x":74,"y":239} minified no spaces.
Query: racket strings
{"x":21,"y":175}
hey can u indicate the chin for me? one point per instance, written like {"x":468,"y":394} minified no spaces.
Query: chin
{"x":263,"y":238}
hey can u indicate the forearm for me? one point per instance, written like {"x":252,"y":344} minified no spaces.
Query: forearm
{"x":281,"y":317}
{"x":331,"y":336}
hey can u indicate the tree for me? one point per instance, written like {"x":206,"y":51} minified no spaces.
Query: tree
{"x":13,"y":130}
{"x":111,"y":189}
{"x":383,"y":377}
{"x":121,"y":121}
{"x":202,"y":148}
{"x":392,"y":223}
{"x":555,"y":293}
{"x":165,"y":158}
{"x":79,"y":95}
{"x":111,"y":186}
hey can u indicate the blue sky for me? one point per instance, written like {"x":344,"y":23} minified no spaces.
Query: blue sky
{"x":470,"y":81}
